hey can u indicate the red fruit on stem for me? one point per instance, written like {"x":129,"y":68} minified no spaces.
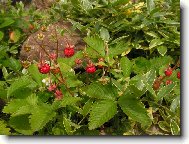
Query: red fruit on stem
{"x":52,"y":87}
{"x":58,"y":94}
{"x":90,"y":68}
{"x":169,"y":82}
{"x":178,"y":75}
{"x":44,"y":68}
{"x":168,"y":72}
{"x":69,"y":51}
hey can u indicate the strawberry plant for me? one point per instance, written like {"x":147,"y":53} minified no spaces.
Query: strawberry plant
{"x":125,"y":80}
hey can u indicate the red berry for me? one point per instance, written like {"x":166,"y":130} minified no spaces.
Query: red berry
{"x":58,"y":94}
{"x":90,"y":68}
{"x":169,"y":82}
{"x":178,"y":75}
{"x":168,"y":72}
{"x":69,"y":51}
{"x":44,"y":68}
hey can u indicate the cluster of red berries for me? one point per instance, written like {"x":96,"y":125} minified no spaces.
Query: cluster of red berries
{"x":168,"y":72}
{"x":90,"y":68}
{"x":57,"y":93}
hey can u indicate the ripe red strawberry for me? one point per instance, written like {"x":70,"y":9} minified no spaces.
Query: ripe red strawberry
{"x":178,"y":75}
{"x":44,"y":68}
{"x":169,"y":82}
{"x":90,"y":68}
{"x":168,"y":71}
{"x":58,"y":94}
{"x":69,"y":51}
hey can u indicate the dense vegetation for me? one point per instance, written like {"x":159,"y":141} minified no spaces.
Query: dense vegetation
{"x":125,"y":80}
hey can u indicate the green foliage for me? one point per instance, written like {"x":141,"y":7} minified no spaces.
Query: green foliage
{"x":99,"y":91}
{"x":3,"y":128}
{"x":101,"y":112}
{"x":134,"y":109}
{"x":130,"y":45}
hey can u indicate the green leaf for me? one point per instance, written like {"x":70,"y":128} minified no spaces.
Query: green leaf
{"x":12,"y":63}
{"x":97,"y":90}
{"x":97,"y":44}
{"x":162,"y":50}
{"x":22,"y":84}
{"x":5,"y":72}
{"x":175,"y":103}
{"x":118,"y":49}
{"x":104,"y":34}
{"x":69,"y":100}
{"x":164,"y":91}
{"x":141,"y":65}
{"x":87,"y":107}
{"x":151,"y":33}
{"x":35,"y":74}
{"x":155,"y":42}
{"x":7,"y":22}
{"x":150,"y":5}
{"x":3,"y":128}
{"x":134,"y":109}
{"x":101,"y":112}
{"x":21,"y":124}
{"x":41,"y":115}
{"x":21,"y":106}
{"x":70,"y":127}
{"x":138,"y":82}
{"x":149,"y":80}
{"x":66,"y":69}
{"x":126,"y":66}
{"x":1,"y":35}
{"x":72,"y":81}
{"x":175,"y":129}
{"x":14,"y":106}
{"x":164,"y":126}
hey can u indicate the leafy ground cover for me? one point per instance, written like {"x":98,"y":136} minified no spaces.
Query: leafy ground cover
{"x":124,"y":81}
